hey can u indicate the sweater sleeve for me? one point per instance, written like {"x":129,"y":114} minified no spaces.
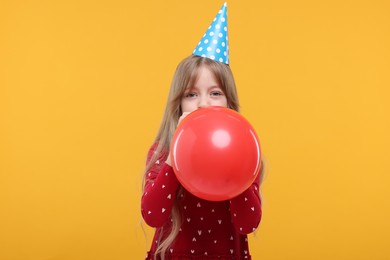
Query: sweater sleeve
{"x":159,"y":192}
{"x":245,"y":209}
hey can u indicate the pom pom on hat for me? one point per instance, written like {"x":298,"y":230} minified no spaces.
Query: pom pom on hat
{"x":214,"y":44}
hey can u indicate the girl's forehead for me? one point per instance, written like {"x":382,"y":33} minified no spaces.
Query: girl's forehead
{"x":195,"y":76}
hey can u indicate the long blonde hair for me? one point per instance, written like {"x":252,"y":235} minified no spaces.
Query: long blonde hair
{"x":185,"y":76}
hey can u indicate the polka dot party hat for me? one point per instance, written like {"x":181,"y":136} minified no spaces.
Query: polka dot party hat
{"x":214,"y":44}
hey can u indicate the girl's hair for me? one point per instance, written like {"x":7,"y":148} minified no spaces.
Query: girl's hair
{"x":186,"y":74}
{"x":184,"y":78}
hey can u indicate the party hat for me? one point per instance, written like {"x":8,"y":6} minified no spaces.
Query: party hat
{"x":214,"y":44}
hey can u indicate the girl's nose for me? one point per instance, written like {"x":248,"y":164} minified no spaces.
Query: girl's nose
{"x":202,"y":102}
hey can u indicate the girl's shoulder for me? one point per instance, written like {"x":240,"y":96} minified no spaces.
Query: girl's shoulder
{"x":162,"y":152}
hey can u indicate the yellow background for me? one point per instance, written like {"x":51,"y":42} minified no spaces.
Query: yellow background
{"x":83,"y":85}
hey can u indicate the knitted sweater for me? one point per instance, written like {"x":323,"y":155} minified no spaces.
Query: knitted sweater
{"x":209,"y":229}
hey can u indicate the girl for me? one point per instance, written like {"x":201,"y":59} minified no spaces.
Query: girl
{"x":188,"y":227}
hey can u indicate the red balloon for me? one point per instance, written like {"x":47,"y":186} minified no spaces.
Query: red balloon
{"x":215,"y":153}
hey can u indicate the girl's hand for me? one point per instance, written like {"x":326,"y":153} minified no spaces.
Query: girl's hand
{"x":168,"y":161}
{"x":183,"y":116}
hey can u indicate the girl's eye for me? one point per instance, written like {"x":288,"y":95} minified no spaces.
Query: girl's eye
{"x":190,"y":95}
{"x":216,"y":93}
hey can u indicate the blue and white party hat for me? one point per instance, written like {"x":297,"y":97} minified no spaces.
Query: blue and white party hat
{"x":214,"y":44}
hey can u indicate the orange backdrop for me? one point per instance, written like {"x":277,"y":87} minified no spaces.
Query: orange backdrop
{"x":83,"y":85}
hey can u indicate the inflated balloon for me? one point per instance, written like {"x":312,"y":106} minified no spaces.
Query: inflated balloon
{"x":215,"y":153}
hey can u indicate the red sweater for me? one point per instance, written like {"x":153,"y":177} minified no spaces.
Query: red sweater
{"x":209,"y":230}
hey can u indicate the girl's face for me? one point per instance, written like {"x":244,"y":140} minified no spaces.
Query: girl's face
{"x":204,"y":93}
